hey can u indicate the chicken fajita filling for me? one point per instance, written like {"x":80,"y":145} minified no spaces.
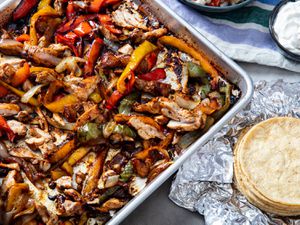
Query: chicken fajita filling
{"x":97,"y":98}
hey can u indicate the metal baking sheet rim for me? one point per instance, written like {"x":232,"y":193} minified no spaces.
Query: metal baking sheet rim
{"x":240,"y":78}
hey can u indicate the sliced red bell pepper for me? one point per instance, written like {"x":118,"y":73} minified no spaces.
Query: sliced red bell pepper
{"x":96,"y":5}
{"x":106,"y":21}
{"x":83,"y":29}
{"x":70,"y":12}
{"x":72,"y":24}
{"x":23,"y":9}
{"x":21,"y":75}
{"x":23,"y":37}
{"x":117,"y":96}
{"x":156,"y":74}
{"x":104,"y":18}
{"x":113,"y":99}
{"x":215,"y":3}
{"x":6,"y":129}
{"x":151,"y":60}
{"x":3,"y":91}
{"x":130,"y":83}
{"x":111,"y":2}
{"x":71,"y":36}
{"x":92,"y":56}
{"x":136,"y":57}
{"x":68,"y":42}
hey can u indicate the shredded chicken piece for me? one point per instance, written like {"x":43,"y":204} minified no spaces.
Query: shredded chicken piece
{"x":82,"y":88}
{"x":107,"y":34}
{"x":172,"y":110}
{"x":73,"y":194}
{"x":46,"y":76}
{"x":24,"y":152}
{"x":154,"y":33}
{"x":47,"y":217}
{"x":109,"y":60}
{"x":41,"y":140}
{"x":64,"y":182}
{"x":42,"y":56}
{"x":126,"y":16}
{"x":8,"y":181}
{"x":152,"y":106}
{"x":8,"y":109}
{"x":112,"y":204}
{"x":153,"y":87}
{"x":200,"y":120}
{"x":17,"y":127}
{"x":144,"y":129}
{"x":14,"y":61}
{"x":168,"y":108}
{"x":181,"y":119}
{"x":7,"y":72}
{"x":11,"y":47}
{"x":69,"y":208}
{"x":161,"y":119}
{"x":126,"y":49}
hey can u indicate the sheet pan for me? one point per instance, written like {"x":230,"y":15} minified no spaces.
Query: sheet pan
{"x":229,"y":68}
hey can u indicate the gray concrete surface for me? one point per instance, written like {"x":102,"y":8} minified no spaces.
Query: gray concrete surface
{"x":159,"y":210}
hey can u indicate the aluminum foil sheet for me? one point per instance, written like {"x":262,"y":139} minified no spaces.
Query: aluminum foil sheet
{"x":205,"y":182}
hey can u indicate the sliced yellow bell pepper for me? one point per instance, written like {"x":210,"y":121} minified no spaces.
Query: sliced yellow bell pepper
{"x":78,"y":155}
{"x":74,"y":158}
{"x":137,"y":56}
{"x":94,"y":173}
{"x":146,"y":152}
{"x":35,"y":69}
{"x":184,"y":47}
{"x":57,"y":173}
{"x":43,"y":4}
{"x":46,"y":10}
{"x":59,"y":105}
{"x":62,"y":152}
{"x":66,"y":167}
{"x":32,"y":101}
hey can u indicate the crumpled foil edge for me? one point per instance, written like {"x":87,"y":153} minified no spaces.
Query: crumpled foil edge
{"x":204,"y":183}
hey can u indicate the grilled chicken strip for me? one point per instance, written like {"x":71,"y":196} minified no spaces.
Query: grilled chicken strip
{"x":153,"y":87}
{"x":146,"y":129}
{"x":11,"y":47}
{"x":125,"y":16}
{"x":17,"y":127}
{"x":9,"y":109}
{"x":181,"y":119}
{"x":41,"y":56}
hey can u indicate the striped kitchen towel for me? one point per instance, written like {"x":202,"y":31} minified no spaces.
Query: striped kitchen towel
{"x":242,"y":34}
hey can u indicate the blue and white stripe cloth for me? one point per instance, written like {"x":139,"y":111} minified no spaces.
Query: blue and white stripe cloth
{"x":242,"y":34}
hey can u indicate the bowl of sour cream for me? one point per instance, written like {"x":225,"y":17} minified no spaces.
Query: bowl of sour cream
{"x":284,"y":25}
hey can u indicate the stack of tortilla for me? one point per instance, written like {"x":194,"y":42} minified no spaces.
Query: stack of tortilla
{"x":267,"y":165}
